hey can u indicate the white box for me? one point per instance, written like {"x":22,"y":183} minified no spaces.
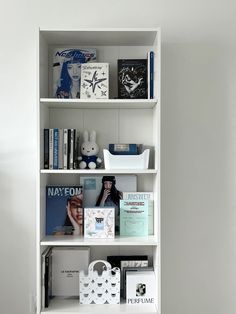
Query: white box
{"x":99,"y":222}
{"x":126,"y":161}
{"x":67,"y":262}
{"x":141,"y":288}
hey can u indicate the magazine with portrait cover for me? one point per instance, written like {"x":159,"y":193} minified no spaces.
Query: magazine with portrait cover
{"x":67,"y":70}
{"x":132,"y":79}
{"x":64,"y":210}
{"x":107,"y":191}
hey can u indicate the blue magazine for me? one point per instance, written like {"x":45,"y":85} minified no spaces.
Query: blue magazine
{"x":64,"y":210}
{"x":67,"y":70}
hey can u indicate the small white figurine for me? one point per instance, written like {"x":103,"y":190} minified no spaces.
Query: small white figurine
{"x":89,"y":150}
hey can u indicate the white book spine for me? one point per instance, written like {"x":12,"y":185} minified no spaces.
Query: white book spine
{"x":65,"y":148}
{"x":71,"y":163}
{"x":51,"y":135}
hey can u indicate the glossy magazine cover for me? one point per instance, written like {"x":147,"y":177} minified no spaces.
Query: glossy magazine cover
{"x":67,"y":70}
{"x":64,"y":210}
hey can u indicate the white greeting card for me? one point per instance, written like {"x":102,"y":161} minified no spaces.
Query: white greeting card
{"x":99,"y":222}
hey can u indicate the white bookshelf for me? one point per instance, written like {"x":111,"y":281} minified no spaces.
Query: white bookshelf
{"x":115,"y":120}
{"x":60,"y":306}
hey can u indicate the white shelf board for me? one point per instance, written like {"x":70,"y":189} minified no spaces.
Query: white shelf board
{"x":66,"y":306}
{"x":101,"y":37}
{"x":81,"y":241}
{"x":98,"y":103}
{"x":100,"y":171}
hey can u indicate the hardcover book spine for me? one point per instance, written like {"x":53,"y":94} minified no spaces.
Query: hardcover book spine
{"x":51,"y":148}
{"x":69,"y":149}
{"x":148,"y":74}
{"x":46,"y":281}
{"x":65,"y":148}
{"x":74,"y":149}
{"x":55,"y":148}
{"x":46,"y":148}
{"x":151,"y":74}
{"x":71,"y":156}
{"x":60,"y":149}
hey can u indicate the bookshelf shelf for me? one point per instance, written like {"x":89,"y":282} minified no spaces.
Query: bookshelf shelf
{"x":115,"y":121}
{"x":80,"y":241}
{"x":66,"y":306}
{"x":100,"y":171}
{"x":99,"y":103}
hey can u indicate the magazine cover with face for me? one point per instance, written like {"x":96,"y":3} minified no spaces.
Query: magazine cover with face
{"x":67,"y":70}
{"x":107,"y":191}
{"x":64,"y":210}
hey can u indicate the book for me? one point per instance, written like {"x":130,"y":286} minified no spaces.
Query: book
{"x":133,"y":218}
{"x":99,"y":222}
{"x":122,"y":261}
{"x":67,"y":262}
{"x":51,"y":133}
{"x":64,"y":210}
{"x":94,"y":81}
{"x":55,"y":148}
{"x":60,"y":149}
{"x":65,"y":148}
{"x":151,"y":87}
{"x":132,"y":78}
{"x":94,"y":191}
{"x":134,"y":269}
{"x":137,"y":196}
{"x":48,"y":278}
{"x":45,"y":277}
{"x":141,"y":288}
{"x":67,"y":70}
{"x":150,"y":74}
{"x":46,"y":148}
{"x":123,"y":149}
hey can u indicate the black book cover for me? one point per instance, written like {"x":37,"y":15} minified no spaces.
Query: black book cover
{"x":47,"y":278}
{"x":132,"y":79}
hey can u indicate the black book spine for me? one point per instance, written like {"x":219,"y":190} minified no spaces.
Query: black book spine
{"x":46,"y":148}
{"x":69,"y":149}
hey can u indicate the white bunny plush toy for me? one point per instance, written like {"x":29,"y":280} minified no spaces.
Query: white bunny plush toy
{"x":89,"y":150}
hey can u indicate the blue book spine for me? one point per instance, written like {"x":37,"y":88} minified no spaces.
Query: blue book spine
{"x":123,"y":149}
{"x":151,"y":74}
{"x":55,"y":148}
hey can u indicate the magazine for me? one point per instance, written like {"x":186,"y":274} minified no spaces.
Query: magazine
{"x":64,"y":210}
{"x":67,"y":70}
{"x":107,"y":191}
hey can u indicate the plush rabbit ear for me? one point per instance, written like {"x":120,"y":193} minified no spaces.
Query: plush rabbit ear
{"x":93,"y":136}
{"x":86,"y":136}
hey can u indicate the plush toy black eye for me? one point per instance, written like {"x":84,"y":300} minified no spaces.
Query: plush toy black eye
{"x":92,"y":148}
{"x":83,"y":148}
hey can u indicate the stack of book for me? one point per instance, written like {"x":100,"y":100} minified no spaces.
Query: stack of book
{"x":60,"y":148}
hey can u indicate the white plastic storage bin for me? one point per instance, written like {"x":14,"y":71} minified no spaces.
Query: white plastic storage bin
{"x":126,"y":161}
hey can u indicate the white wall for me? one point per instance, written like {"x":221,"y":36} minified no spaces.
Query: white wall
{"x":198,"y":144}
